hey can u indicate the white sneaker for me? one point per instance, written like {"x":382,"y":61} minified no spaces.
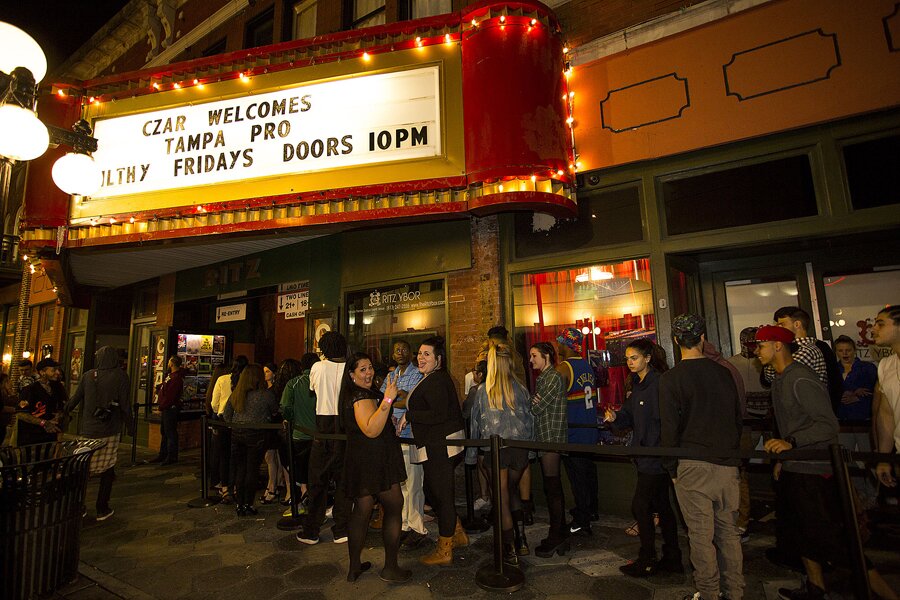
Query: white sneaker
{"x":482,"y":504}
{"x":105,"y":516}
{"x":340,"y":540}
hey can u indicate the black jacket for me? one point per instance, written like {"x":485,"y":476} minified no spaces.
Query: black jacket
{"x":104,"y":387}
{"x":641,"y":413}
{"x":433,"y":410}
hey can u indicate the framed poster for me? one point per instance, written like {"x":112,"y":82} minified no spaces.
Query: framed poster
{"x":319,"y":322}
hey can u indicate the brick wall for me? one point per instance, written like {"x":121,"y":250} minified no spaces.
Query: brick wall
{"x":474,"y":298}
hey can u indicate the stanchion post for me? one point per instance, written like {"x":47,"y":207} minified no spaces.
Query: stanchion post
{"x":134,"y":424}
{"x":498,"y":577}
{"x":859,"y":572}
{"x":205,"y":499}
{"x":292,"y":522}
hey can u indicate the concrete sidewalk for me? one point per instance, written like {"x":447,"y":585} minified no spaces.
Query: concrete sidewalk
{"x":154,"y":546}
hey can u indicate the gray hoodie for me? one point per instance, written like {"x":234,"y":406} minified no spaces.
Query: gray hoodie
{"x":803,"y":411}
{"x":103,"y":386}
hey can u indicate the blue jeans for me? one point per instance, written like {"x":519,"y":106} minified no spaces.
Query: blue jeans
{"x":168,"y":444}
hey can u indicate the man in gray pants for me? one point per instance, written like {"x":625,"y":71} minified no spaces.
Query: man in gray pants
{"x":700,"y":409}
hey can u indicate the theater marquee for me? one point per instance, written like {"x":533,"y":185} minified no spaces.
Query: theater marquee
{"x":302,"y":129}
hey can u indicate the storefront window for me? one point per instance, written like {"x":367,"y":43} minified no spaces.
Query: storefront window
{"x":378,"y":317}
{"x":853,"y":302}
{"x":611,"y":304}
{"x":752,"y":302}
{"x":368,"y":13}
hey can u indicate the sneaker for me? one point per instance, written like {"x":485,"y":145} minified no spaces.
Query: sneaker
{"x":694,"y":596}
{"x":578,"y":529}
{"x":329,"y":511}
{"x":340,"y":538}
{"x":745,"y":536}
{"x":308,"y":539}
{"x":482,"y":504}
{"x":102,"y":516}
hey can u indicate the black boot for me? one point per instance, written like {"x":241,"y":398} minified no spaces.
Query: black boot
{"x":528,"y":512}
{"x":509,"y":550}
{"x":556,"y":541}
{"x":671,"y":561}
{"x":642,"y":567}
{"x":520,"y":540}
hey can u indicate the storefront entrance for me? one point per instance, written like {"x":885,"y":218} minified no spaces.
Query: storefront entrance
{"x":841,"y":287}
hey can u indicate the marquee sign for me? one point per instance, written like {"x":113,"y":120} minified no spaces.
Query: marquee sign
{"x":296,"y":130}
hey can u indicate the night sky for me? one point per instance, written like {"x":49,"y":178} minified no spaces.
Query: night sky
{"x":59,"y":27}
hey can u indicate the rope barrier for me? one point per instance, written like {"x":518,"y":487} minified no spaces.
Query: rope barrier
{"x":500,"y":577}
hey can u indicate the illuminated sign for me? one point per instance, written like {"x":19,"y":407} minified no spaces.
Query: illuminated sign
{"x":296,"y":130}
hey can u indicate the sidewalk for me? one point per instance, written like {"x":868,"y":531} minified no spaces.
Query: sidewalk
{"x":154,"y":546}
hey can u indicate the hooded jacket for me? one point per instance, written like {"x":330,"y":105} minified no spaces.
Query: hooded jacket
{"x":103,"y":387}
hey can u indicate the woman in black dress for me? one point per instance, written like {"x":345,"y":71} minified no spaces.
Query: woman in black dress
{"x":373,"y":465}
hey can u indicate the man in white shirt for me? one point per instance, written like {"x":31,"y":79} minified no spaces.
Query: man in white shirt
{"x":886,"y":404}
{"x":407,"y":376}
{"x":326,"y":457}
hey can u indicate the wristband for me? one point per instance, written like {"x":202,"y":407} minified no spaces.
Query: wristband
{"x":388,"y":401}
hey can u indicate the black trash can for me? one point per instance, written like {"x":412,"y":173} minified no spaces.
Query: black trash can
{"x":42,"y":489}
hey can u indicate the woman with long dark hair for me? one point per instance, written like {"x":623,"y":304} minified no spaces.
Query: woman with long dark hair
{"x":646,"y":361}
{"x":503,"y":407}
{"x":250,"y":402}
{"x":373,"y":465}
{"x":548,"y":405}
{"x":434,"y":412}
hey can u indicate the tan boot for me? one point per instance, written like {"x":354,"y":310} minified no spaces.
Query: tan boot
{"x":460,"y":538}
{"x":442,"y":555}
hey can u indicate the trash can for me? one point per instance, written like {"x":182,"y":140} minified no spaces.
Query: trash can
{"x":42,"y":489}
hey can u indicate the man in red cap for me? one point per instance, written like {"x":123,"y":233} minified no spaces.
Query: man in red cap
{"x":806,"y":421}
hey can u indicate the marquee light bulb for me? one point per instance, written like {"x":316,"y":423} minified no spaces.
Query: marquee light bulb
{"x":131,"y":220}
{"x":533,"y":178}
{"x":503,"y":18}
{"x":565,"y":49}
{"x":244,"y":77}
{"x":447,"y":39}
{"x":474,"y":23}
{"x":533,"y":22}
{"x":176,"y":86}
{"x":112,"y":221}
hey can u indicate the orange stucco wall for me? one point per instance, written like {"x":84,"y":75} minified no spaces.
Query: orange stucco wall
{"x":779,"y":66}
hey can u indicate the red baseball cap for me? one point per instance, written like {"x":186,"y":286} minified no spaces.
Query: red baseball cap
{"x":774,"y":333}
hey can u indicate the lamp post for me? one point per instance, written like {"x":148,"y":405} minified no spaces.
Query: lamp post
{"x":23,"y":137}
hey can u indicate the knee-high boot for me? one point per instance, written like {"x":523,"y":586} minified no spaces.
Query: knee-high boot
{"x":556,"y":541}
{"x":520,"y":539}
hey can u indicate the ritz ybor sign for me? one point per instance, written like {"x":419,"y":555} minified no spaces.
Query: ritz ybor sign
{"x":307,"y":128}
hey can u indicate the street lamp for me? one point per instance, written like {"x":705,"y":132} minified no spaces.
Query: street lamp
{"x":23,"y":136}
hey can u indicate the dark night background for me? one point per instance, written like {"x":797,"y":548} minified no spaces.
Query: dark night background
{"x":59,"y":27}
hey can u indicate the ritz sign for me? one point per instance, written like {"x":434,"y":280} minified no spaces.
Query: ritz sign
{"x":296,"y":130}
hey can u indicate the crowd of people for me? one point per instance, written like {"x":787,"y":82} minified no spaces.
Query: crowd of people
{"x":398,"y":423}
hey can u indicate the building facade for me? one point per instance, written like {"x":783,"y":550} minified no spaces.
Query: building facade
{"x":598,"y":164}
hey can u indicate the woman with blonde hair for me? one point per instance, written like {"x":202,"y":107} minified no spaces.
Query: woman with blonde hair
{"x":503,"y":407}
{"x":250,"y":402}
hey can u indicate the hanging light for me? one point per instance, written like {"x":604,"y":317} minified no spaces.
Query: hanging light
{"x":18,"y":49}
{"x":22,"y":135}
{"x":77,"y":174}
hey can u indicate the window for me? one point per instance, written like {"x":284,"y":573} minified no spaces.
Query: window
{"x":770,"y":191}
{"x":145,"y":302}
{"x":215,"y":48}
{"x":303,"y":18}
{"x":752,"y":302}
{"x":605,"y":218}
{"x":260,"y":30}
{"x":48,"y":317}
{"x":368,"y":13}
{"x":854,"y":300}
{"x":610,"y":304}
{"x":428,"y":8}
{"x":378,"y":317}
{"x":872,"y":173}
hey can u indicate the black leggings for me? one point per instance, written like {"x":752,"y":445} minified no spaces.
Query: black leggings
{"x":247,"y":450}
{"x":392,"y":506}
{"x":440,"y":485}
